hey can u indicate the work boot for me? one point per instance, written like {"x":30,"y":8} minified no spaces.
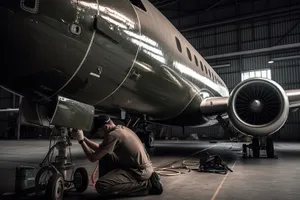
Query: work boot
{"x":155,"y":185}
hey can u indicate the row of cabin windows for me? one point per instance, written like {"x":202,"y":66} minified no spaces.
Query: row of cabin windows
{"x":203,"y":67}
{"x":139,"y":4}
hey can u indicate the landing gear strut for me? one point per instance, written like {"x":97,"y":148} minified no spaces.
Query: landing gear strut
{"x":148,"y":139}
{"x":58,"y":180}
{"x":143,"y":131}
{"x":259,"y":144}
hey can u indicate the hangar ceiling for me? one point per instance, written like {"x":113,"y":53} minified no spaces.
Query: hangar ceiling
{"x":187,"y":15}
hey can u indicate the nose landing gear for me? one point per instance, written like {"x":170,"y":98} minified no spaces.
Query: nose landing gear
{"x":60,"y":175}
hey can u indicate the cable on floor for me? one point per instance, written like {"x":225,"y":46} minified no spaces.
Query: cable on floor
{"x":175,"y":171}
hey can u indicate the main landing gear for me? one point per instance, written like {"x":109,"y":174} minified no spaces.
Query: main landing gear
{"x":258,"y":144}
{"x":57,"y":176}
{"x":143,"y":131}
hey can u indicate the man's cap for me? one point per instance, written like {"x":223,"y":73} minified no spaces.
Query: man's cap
{"x":101,"y":121}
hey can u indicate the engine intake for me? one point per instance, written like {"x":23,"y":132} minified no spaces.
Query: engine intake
{"x":258,"y":107}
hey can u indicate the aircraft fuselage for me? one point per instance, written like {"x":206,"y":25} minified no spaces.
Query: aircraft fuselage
{"x":109,"y":54}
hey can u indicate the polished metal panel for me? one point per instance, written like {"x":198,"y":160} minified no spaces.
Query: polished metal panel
{"x":72,"y":114}
{"x":214,"y":105}
{"x":112,"y":53}
{"x":60,"y":112}
{"x":45,"y":53}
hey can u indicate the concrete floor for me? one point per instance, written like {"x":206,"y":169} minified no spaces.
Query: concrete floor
{"x":251,"y":178}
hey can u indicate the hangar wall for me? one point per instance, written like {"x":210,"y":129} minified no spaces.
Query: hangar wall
{"x":219,"y":29}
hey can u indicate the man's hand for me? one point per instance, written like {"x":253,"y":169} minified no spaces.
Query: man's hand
{"x":78,"y":135}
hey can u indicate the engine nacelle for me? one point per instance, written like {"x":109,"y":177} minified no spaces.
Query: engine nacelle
{"x":258,"y":107}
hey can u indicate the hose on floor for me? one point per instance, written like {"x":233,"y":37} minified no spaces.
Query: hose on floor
{"x":184,"y":168}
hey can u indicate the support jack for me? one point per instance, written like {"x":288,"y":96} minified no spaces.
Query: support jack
{"x":259,"y":144}
{"x":57,"y":176}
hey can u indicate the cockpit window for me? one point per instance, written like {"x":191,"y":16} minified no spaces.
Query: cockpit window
{"x":139,"y":4}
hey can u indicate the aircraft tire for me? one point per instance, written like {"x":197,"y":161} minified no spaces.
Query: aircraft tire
{"x":255,"y":147}
{"x":149,"y":139}
{"x":38,"y":186}
{"x":81,"y":179}
{"x":55,"y":188}
{"x":270,"y":148}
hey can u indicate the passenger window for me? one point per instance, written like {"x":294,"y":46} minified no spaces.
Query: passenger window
{"x":201,"y":66}
{"x":189,"y":54}
{"x":178,"y":45}
{"x":196,"y":61}
{"x":205,"y":69}
{"x":139,"y":4}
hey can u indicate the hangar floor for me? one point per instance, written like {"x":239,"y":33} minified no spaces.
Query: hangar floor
{"x":250,"y":179}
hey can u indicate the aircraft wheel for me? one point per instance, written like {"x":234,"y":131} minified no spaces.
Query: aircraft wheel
{"x":270,"y":148}
{"x":81,"y":179}
{"x":42,"y":178}
{"x":149,"y":140}
{"x":55,"y":187}
{"x":255,"y":147}
{"x":244,"y":150}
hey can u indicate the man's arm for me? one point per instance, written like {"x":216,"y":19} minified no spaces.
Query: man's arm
{"x":92,"y":156}
{"x":106,"y":147}
{"x":93,"y":145}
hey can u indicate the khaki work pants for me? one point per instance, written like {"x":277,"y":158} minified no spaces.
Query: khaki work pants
{"x":115,"y":180}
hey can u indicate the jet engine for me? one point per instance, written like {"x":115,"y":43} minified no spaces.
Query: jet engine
{"x":258,"y":107}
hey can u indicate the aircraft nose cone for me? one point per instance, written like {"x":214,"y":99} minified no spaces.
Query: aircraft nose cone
{"x":256,"y":106}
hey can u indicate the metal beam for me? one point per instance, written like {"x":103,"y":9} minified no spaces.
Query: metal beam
{"x":286,"y":34}
{"x":241,"y":53}
{"x":19,"y":121}
{"x":242,"y":18}
{"x":10,"y":110}
{"x":220,"y":66}
{"x":286,"y":58}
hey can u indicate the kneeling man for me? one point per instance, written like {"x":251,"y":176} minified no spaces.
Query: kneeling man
{"x":125,"y":168}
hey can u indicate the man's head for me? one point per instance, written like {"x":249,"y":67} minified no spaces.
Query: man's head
{"x":103,"y":123}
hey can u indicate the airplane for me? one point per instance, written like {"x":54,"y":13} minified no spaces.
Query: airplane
{"x":73,"y":60}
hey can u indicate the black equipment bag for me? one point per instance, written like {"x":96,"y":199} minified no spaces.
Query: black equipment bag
{"x":213,"y":164}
